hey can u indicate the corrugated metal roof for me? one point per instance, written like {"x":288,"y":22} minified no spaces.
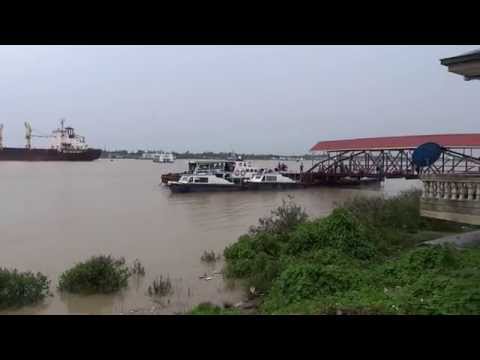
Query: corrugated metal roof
{"x":400,"y":142}
{"x":473,"y":52}
{"x":473,"y":55}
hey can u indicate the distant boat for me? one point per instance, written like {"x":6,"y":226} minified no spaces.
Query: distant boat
{"x":148,"y":156}
{"x":164,"y":158}
{"x":65,"y":145}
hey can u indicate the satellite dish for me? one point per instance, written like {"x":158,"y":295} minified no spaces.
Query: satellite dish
{"x":426,"y":154}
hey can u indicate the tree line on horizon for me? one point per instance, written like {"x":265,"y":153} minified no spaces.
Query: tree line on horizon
{"x":201,"y":155}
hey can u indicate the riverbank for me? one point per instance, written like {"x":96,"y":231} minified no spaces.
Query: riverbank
{"x":363,"y":258}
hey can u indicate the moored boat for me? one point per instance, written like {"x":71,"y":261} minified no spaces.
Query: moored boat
{"x":271,"y":181}
{"x":235,"y":171}
{"x":202,"y":183}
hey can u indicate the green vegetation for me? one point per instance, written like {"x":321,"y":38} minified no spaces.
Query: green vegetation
{"x":361,"y":259}
{"x":99,"y":274}
{"x":137,"y":268}
{"x":160,"y":287}
{"x":209,"y":256}
{"x":210,"y":309}
{"x":21,"y":288}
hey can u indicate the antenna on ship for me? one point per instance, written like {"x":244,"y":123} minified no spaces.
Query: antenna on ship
{"x":28,"y":135}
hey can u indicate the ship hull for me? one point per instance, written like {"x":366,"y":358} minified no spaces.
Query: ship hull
{"x":186,"y":188}
{"x":21,"y":154}
{"x":272,"y":186}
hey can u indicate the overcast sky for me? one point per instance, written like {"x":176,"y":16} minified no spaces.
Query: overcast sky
{"x":261,"y":99}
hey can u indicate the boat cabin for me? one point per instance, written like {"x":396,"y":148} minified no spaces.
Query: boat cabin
{"x":244,"y":170}
{"x":210,"y":166}
{"x":271,"y":178}
{"x":204,"y":179}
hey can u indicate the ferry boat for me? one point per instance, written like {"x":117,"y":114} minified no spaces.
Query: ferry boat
{"x":65,"y":145}
{"x":236,"y":171}
{"x":164,"y":158}
{"x":271,"y":180}
{"x":202,"y":182}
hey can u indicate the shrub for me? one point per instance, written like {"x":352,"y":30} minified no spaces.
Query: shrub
{"x":343,"y":231}
{"x":282,"y":219}
{"x":207,"y":308}
{"x":21,"y":288}
{"x":99,"y":274}
{"x":209,"y":256}
{"x":160,"y":287}
{"x":302,"y":281}
{"x":418,"y":261}
{"x":401,"y":212}
{"x":239,"y":257}
{"x":138,"y":268}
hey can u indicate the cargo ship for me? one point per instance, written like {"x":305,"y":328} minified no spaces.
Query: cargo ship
{"x":65,"y":145}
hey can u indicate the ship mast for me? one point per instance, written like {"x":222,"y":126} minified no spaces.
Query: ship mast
{"x":1,"y":136}
{"x":28,"y":135}
{"x":62,"y":134}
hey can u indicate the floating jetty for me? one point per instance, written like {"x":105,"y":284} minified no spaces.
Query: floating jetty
{"x":372,"y":160}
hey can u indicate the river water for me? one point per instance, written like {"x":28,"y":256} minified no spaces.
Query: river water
{"x":54,"y":215}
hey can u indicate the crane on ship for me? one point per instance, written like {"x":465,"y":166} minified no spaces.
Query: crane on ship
{"x":29,"y":133}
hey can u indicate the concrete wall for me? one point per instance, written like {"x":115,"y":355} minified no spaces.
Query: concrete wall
{"x":451,"y":197}
{"x":462,"y":211}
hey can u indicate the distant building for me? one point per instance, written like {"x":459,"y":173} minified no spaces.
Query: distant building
{"x":467,"y":65}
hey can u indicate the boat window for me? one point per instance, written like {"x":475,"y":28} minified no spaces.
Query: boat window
{"x":201,"y":180}
{"x":190,"y":179}
{"x":271,"y":178}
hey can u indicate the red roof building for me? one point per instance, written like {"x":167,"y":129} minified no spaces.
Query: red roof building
{"x":453,"y":141}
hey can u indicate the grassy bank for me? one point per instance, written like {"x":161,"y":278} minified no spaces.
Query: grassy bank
{"x":361,"y":259}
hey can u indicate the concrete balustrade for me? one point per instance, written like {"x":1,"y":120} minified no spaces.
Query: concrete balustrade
{"x":451,"y":197}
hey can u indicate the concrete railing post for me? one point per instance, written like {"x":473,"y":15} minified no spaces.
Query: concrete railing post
{"x":446,"y":193}
{"x":453,"y":193}
{"x":470,"y":190}
{"x":441,"y":187}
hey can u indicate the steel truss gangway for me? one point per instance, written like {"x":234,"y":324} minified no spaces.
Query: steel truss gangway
{"x":380,"y":158}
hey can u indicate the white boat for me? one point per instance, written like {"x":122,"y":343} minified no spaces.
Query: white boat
{"x":202,"y":183}
{"x":271,"y":180}
{"x":236,"y":171}
{"x":164,"y":157}
{"x":148,"y":156}
{"x":244,"y":170}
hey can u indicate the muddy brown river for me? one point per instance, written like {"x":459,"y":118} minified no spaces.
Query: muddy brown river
{"x":54,"y":215}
